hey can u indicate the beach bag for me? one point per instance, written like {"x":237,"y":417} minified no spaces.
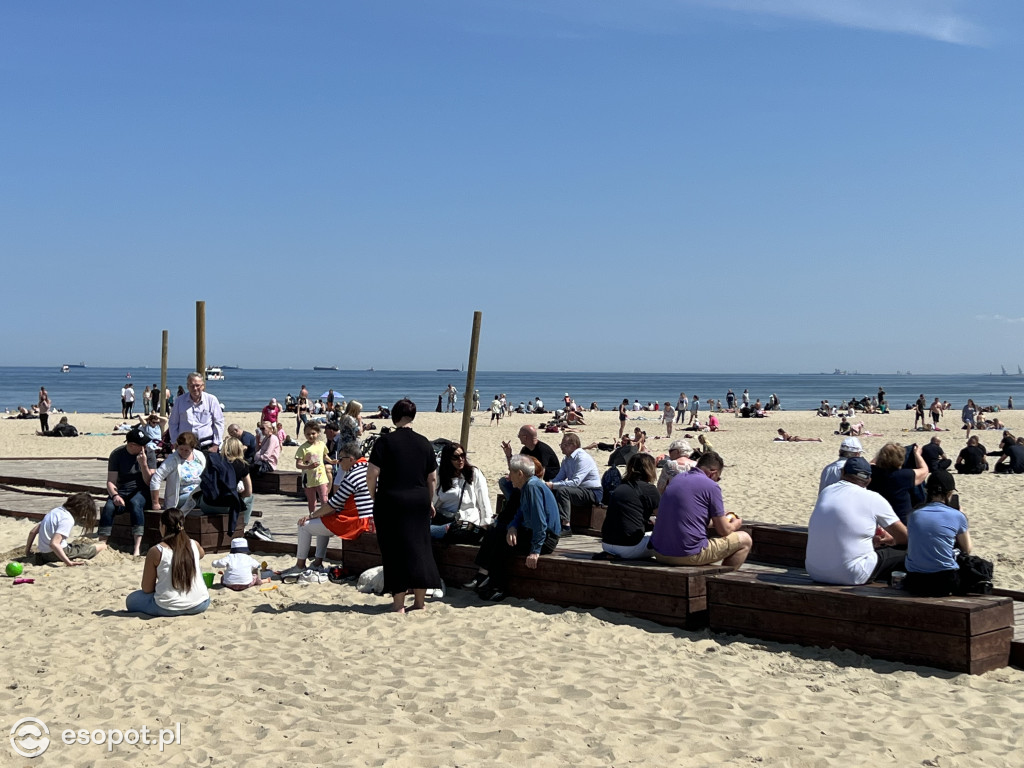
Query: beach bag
{"x":371,"y":581}
{"x":975,"y":575}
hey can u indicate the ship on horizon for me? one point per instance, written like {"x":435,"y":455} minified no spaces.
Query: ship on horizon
{"x":325,"y":367}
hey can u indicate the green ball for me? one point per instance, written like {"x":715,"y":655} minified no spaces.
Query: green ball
{"x":15,"y":569}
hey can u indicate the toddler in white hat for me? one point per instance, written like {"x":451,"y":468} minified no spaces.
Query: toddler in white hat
{"x":241,"y":571}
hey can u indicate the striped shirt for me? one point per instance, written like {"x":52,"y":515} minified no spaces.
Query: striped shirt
{"x":352,"y":492}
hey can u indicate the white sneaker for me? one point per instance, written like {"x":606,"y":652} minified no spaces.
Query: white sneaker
{"x":309,"y":576}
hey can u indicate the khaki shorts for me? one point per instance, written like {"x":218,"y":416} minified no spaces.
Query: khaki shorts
{"x":76,"y":550}
{"x":717,"y":549}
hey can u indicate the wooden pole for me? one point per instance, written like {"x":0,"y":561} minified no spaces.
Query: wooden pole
{"x":201,"y":338}
{"x":163,"y":375}
{"x":467,"y":399}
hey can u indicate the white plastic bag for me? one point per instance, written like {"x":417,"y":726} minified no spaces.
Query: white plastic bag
{"x":372,"y":581}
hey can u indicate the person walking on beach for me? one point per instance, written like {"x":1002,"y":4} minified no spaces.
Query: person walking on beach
{"x":496,"y":410}
{"x":919,"y":408}
{"x":936,"y":412}
{"x":730,"y":400}
{"x":44,"y":409}
{"x":969,"y":414}
{"x":694,"y":407}
{"x":453,"y":395}
{"x":668,"y":415}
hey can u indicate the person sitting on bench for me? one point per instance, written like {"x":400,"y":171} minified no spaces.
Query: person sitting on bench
{"x":933,"y":531}
{"x":851,"y":531}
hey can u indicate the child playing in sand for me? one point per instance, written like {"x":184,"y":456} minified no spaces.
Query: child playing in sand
{"x":312,"y":457}
{"x":55,"y":532}
{"x":241,"y":571}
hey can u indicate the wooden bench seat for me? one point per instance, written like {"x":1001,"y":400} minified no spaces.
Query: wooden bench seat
{"x":209,"y":531}
{"x":783,"y":545}
{"x":278,"y":481}
{"x":668,"y":595}
{"x":963,"y":634}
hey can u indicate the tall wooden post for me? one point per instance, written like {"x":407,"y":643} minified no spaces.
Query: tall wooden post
{"x":163,"y":375}
{"x":201,"y":339}
{"x":467,"y":399}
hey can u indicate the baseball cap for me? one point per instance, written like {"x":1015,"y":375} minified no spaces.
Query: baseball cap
{"x":137,"y":437}
{"x":857,"y":466}
{"x":851,"y":445}
{"x":940,"y":482}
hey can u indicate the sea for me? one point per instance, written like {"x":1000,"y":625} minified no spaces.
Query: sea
{"x":98,"y":390}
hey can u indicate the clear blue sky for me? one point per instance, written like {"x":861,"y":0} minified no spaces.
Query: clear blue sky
{"x":653,"y":185}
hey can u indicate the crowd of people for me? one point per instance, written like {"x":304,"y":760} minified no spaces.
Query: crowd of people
{"x":897,"y":511}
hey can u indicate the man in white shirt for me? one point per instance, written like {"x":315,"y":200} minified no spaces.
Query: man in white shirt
{"x":199,"y":413}
{"x":852,"y":530}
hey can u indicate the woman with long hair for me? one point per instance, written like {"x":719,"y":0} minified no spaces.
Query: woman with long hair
{"x":461,"y":494}
{"x":44,"y":409}
{"x":625,"y":532}
{"x":172,"y":579}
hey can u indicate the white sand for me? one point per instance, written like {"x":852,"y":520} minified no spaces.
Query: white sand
{"x":323,"y":675}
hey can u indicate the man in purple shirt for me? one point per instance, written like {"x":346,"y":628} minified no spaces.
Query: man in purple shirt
{"x":691,"y":504}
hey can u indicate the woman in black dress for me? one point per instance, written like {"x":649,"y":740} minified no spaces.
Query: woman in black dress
{"x":401,"y":478}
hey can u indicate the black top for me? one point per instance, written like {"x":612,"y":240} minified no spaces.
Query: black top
{"x":932,"y":455}
{"x":545,"y":454}
{"x":895,"y":487}
{"x":974,"y":460}
{"x":1016,"y":456}
{"x":405,"y":459}
{"x":127,"y":467}
{"x":629,"y":506}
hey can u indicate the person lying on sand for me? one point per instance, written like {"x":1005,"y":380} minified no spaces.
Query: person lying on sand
{"x":785,"y":437}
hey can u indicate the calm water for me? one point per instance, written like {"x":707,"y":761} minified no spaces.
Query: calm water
{"x":98,"y":390}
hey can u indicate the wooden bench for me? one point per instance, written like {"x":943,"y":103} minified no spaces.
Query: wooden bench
{"x":278,"y":481}
{"x":209,"y":531}
{"x":784,"y":545}
{"x":964,"y":634}
{"x":668,"y":595}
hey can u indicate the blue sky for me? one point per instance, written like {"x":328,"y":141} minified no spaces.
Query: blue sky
{"x":655,"y":185}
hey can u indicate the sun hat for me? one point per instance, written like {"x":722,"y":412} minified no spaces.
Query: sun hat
{"x":240,"y":545}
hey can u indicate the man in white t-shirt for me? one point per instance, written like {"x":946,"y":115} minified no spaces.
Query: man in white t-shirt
{"x":852,"y":530}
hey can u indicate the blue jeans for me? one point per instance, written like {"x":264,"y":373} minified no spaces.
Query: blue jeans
{"x":145,"y":602}
{"x":134,"y":506}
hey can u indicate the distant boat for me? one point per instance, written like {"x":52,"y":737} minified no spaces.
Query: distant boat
{"x":76,"y":365}
{"x":1004,"y":370}
{"x":325,"y":367}
{"x":65,"y":369}
{"x":1019,"y":371}
{"x":369,"y":370}
{"x":230,"y":367}
{"x":213,"y":373}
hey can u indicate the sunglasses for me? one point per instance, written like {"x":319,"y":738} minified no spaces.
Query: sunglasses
{"x":458,"y":456}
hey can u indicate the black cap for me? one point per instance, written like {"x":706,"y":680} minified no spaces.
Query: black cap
{"x":940,"y":482}
{"x":137,"y":437}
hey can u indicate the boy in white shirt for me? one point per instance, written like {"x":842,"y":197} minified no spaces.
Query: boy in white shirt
{"x":54,"y":533}
{"x":241,"y":571}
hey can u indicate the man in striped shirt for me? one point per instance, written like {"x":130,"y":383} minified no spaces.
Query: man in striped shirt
{"x":346,"y":514}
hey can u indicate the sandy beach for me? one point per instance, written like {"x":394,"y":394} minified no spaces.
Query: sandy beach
{"x":327,"y":676}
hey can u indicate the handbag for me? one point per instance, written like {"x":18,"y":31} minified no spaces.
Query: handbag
{"x":464,"y":532}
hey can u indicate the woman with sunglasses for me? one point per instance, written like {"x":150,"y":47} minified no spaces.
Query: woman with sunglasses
{"x":461,"y":494}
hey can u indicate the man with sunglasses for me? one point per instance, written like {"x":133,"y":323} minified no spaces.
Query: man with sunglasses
{"x":691,"y":506}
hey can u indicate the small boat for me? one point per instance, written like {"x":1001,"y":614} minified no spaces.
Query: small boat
{"x":213,"y":373}
{"x":65,"y":369}
{"x":230,"y":368}
{"x":447,"y":370}
{"x":325,"y":367}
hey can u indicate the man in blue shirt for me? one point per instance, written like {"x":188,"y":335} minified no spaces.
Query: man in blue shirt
{"x":578,"y":480}
{"x":533,"y":531}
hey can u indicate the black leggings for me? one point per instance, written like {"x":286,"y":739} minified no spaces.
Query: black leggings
{"x":44,"y":421}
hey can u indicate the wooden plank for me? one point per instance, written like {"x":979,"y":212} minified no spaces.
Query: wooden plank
{"x":37,"y":482}
{"x":880,"y":605}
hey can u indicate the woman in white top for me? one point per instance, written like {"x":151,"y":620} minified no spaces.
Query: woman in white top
{"x":461,"y":493}
{"x":182,"y":470}
{"x":172,"y":580}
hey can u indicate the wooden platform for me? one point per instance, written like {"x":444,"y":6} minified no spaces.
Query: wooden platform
{"x":672,"y":596}
{"x":209,"y":531}
{"x":963,"y":634}
{"x":278,"y":481}
{"x":783,"y":545}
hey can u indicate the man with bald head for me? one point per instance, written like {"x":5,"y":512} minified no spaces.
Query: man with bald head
{"x":532,"y":446}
